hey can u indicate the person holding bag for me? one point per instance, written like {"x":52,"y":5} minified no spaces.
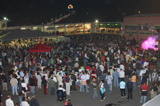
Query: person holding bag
{"x":102,"y":90}
{"x":83,"y":79}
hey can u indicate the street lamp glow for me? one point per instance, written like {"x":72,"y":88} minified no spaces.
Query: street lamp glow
{"x":5,"y":18}
{"x":96,"y":21}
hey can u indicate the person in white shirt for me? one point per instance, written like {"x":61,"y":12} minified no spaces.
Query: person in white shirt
{"x":9,"y":101}
{"x":39,"y":78}
{"x":106,"y":53}
{"x":24,"y":87}
{"x":61,"y":88}
{"x":24,"y":102}
{"x":145,"y":64}
{"x":101,"y":67}
{"x":121,"y":74}
{"x":97,"y":65}
{"x":143,"y":71}
{"x":122,"y":66}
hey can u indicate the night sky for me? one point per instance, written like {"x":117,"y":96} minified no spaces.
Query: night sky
{"x":32,"y":12}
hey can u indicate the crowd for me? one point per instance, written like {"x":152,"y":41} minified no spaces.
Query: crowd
{"x":84,"y":62}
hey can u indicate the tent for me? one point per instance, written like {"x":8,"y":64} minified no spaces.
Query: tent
{"x":40,"y":48}
{"x":153,"y":102}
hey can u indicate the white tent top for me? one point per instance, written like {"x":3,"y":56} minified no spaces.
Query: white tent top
{"x":153,"y":102}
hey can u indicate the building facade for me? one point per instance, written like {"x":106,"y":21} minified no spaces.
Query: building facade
{"x":113,"y":28}
{"x":141,"y":26}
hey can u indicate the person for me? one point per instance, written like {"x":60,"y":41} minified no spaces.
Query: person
{"x":24,"y":102}
{"x":33,"y":101}
{"x":20,"y":98}
{"x":121,"y":74}
{"x":134,"y":81}
{"x":129,"y":87}
{"x":61,"y":88}
{"x":26,"y":80}
{"x":83,"y":79}
{"x":69,"y":103}
{"x":74,"y":79}
{"x":67,"y":80}
{"x":104,"y":79}
{"x":102,"y":90}
{"x":144,"y":88}
{"x":39,"y":80}
{"x":60,"y":80}
{"x":24,"y":86}
{"x":138,"y":68}
{"x":153,"y":90}
{"x":44,"y":85}
{"x":144,"y":79}
{"x":115,"y":78}
{"x":95,"y":86}
{"x":52,"y":85}
{"x":9,"y":101}
{"x":88,"y":78}
{"x":35,"y":82}
{"x":154,"y":75}
{"x":98,"y":74}
{"x":4,"y":82}
{"x":31,"y":84}
{"x":14,"y":83}
{"x":158,"y":75}
{"x":122,"y":88}
{"x":140,"y":76}
{"x":1,"y":98}
{"x":66,"y":102}
{"x":109,"y":79}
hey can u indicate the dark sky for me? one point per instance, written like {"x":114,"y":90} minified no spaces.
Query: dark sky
{"x":29,"y":12}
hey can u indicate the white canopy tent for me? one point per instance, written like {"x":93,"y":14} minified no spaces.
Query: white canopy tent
{"x":153,"y":102}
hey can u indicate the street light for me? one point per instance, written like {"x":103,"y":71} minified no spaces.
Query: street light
{"x":5,"y":18}
{"x":96,"y":21}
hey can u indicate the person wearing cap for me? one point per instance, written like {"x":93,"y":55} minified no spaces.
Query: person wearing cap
{"x":9,"y":101}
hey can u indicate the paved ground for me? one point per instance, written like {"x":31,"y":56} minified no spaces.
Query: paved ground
{"x":83,"y":99}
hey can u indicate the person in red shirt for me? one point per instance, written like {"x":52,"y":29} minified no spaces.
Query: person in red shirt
{"x":144,"y":88}
{"x":88,"y":69}
{"x":93,"y":75}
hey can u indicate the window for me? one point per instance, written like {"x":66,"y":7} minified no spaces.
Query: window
{"x":130,"y":27}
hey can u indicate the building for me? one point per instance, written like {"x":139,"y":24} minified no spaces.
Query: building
{"x":3,"y":24}
{"x":141,"y":26}
{"x":111,"y":28}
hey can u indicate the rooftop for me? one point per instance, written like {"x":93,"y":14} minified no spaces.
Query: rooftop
{"x":144,"y":15}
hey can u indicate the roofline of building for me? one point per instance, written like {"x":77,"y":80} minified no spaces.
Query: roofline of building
{"x":59,"y":24}
{"x":144,"y":15}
